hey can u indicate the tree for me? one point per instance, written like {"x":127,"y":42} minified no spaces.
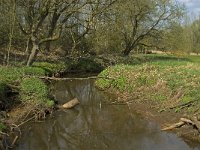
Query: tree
{"x":137,"y":20}
{"x":35,"y":16}
{"x":195,"y":28}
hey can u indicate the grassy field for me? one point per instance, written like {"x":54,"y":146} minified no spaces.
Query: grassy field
{"x":168,"y":81}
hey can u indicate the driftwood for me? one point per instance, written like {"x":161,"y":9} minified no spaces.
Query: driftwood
{"x":72,"y":103}
{"x":176,"y":125}
{"x":184,"y":121}
{"x":196,"y":122}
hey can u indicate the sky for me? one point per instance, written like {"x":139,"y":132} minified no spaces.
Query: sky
{"x":193,"y":6}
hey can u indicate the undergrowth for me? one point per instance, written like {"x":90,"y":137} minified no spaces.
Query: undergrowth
{"x":34,"y":90}
{"x":171,"y":82}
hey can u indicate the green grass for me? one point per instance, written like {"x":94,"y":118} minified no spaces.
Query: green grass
{"x":13,"y":74}
{"x":2,"y":127}
{"x":34,"y":90}
{"x":50,"y":67}
{"x":158,"y":80}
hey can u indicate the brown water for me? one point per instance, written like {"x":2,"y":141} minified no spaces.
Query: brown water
{"x":93,"y":125}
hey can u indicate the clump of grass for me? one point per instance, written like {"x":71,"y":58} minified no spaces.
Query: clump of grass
{"x":10,"y":74}
{"x":2,"y":127}
{"x":35,"y":91}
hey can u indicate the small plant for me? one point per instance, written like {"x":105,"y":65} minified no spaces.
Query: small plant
{"x":2,"y":127}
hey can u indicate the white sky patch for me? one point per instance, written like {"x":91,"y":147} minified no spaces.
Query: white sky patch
{"x":193,"y":6}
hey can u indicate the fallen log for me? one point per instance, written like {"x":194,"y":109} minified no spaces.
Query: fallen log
{"x":72,"y":103}
{"x":183,"y":121}
{"x":58,"y":79}
{"x":176,"y":125}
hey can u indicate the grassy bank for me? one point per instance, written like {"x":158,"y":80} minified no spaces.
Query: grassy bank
{"x":165,"y":81}
{"x":20,"y":87}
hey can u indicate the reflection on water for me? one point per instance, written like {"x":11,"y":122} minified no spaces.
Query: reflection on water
{"x":95,"y":126}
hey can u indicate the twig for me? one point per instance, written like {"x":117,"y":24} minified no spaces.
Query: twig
{"x":14,"y":141}
{"x":3,"y":133}
{"x":26,"y":121}
{"x":182,"y":122}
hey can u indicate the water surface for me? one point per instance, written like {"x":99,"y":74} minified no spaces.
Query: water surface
{"x":93,"y":125}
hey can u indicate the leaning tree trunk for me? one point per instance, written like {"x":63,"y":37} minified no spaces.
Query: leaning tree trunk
{"x":33,"y":54}
{"x":127,"y":50}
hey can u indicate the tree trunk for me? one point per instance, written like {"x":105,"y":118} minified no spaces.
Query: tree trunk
{"x":48,"y":43}
{"x":52,"y":29}
{"x":33,"y":54}
{"x":127,"y":51}
{"x":28,"y":45}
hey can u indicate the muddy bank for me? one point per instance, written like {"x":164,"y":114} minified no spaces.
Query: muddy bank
{"x":150,"y":111}
{"x":166,"y":119}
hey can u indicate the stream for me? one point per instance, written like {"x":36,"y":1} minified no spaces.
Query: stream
{"x":95,"y":125}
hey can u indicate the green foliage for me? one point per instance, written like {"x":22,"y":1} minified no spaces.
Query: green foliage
{"x":34,"y":90}
{"x":50,"y":67}
{"x":33,"y":71}
{"x":3,"y":87}
{"x":159,"y":80}
{"x":13,"y":74}
{"x":10,"y":74}
{"x":86,"y":65}
{"x":120,"y":83}
{"x":2,"y":126}
{"x":159,"y":97}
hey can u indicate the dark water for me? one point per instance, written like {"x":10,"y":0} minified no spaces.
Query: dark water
{"x":95,"y":126}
